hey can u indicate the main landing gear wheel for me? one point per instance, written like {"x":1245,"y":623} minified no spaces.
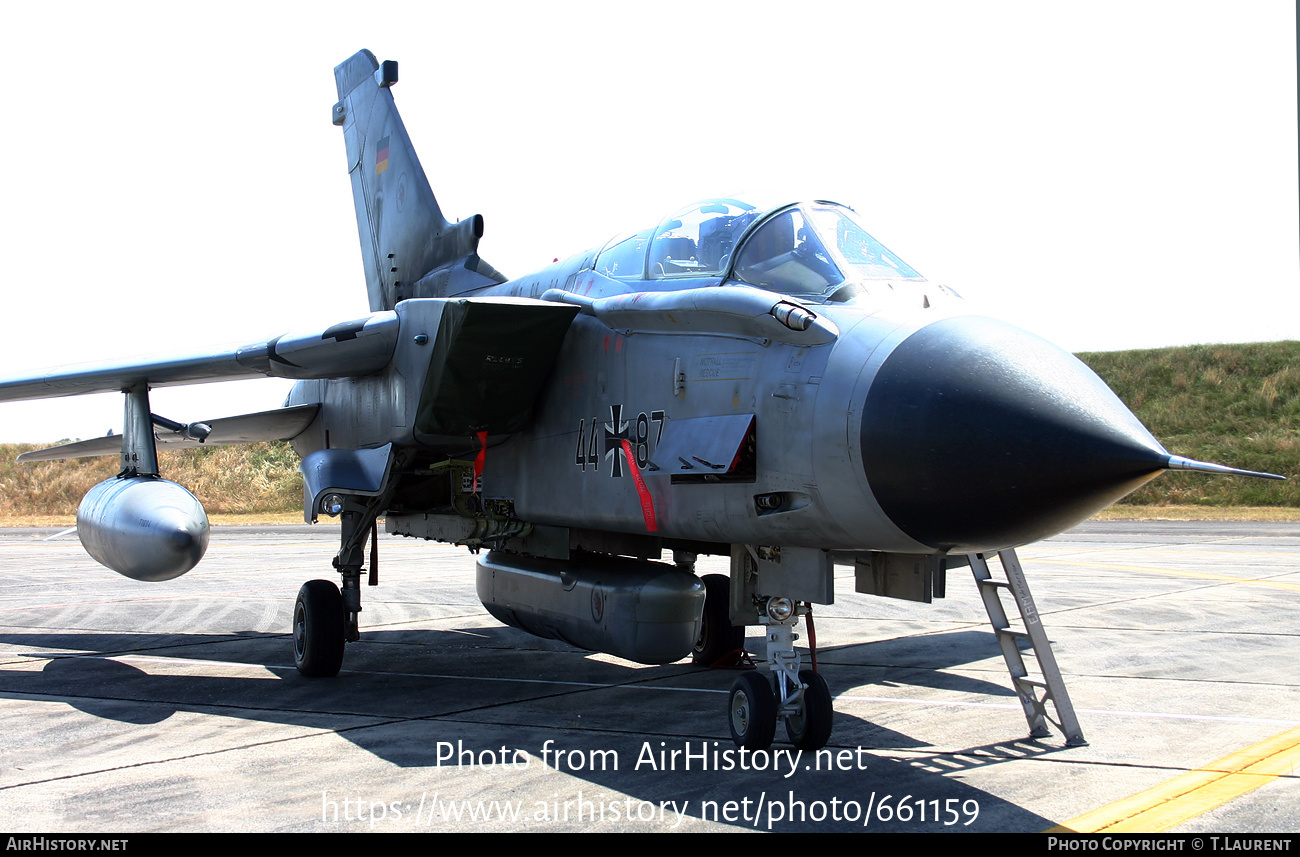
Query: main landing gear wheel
{"x":318,"y":629}
{"x":810,"y":727}
{"x":752,"y":712}
{"x":718,"y":637}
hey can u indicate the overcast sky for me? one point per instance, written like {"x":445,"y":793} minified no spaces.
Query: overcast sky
{"x":1106,"y":174}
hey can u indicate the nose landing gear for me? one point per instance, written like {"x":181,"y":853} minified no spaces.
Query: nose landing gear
{"x":779,"y":689}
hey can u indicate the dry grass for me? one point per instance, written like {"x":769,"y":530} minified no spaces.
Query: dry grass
{"x":256,"y":478}
{"x":263,"y":519}
{"x":1126,"y":512}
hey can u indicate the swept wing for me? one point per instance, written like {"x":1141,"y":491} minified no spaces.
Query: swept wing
{"x":349,"y":349}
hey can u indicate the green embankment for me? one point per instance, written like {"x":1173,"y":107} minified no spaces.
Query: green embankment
{"x":1232,"y":404}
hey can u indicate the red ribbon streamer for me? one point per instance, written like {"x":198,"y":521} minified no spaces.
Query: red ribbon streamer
{"x":647,"y":504}
{"x":480,"y":458}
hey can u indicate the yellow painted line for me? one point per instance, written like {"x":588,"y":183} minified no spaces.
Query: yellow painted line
{"x":1275,"y":584}
{"x":1194,"y":793}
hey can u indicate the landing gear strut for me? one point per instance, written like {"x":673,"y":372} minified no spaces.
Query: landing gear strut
{"x":324,"y":618}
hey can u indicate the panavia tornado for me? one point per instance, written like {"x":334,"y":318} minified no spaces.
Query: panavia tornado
{"x":768,"y":384}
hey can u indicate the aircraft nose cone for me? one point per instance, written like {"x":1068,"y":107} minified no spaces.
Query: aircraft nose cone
{"x":977,"y":435}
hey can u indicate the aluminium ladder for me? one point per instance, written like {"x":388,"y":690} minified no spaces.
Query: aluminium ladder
{"x":1034,"y":691}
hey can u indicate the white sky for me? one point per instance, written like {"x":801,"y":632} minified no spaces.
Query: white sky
{"x":1106,"y":174}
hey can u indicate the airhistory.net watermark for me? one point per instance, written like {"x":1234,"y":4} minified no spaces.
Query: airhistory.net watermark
{"x":49,"y":843}
{"x":435,"y":809}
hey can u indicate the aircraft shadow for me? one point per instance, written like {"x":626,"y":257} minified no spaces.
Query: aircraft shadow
{"x":390,"y":679}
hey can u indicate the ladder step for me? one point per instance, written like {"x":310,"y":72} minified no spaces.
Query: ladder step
{"x":1012,"y":632}
{"x":996,"y":584}
{"x":1031,"y":680}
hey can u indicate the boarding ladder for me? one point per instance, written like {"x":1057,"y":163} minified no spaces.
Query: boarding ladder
{"x":1034,"y":691}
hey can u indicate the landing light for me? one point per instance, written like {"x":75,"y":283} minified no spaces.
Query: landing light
{"x":779,"y":609}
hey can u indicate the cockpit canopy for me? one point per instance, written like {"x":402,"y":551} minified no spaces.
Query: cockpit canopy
{"x":810,"y":250}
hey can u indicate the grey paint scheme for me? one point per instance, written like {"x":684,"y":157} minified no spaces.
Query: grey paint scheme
{"x":364,"y":348}
{"x":145,"y":528}
{"x":785,"y":385}
{"x":651,"y":617}
{"x":410,"y":249}
{"x":642,"y":357}
{"x":630,"y":351}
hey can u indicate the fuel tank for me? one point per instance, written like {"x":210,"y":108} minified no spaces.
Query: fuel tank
{"x":143,"y":527}
{"x":647,"y":612}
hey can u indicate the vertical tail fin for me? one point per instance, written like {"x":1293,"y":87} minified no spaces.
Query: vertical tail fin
{"x":409,"y":248}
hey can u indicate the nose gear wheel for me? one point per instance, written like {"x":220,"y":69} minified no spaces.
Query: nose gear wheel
{"x":752,"y":712}
{"x":809,"y":728}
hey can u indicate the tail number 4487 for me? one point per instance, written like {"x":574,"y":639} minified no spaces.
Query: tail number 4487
{"x":605,"y":439}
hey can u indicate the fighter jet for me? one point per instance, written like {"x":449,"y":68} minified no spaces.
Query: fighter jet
{"x":770,"y":384}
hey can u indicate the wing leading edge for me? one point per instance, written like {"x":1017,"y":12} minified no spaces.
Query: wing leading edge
{"x":114,"y":377}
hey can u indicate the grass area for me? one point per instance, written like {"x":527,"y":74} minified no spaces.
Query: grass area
{"x":248,"y":479}
{"x":1237,"y":405}
{"x":1126,"y":512}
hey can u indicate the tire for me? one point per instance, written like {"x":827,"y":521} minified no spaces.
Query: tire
{"x":751,"y":712}
{"x":810,"y":729}
{"x":718,"y":637}
{"x":318,"y":629}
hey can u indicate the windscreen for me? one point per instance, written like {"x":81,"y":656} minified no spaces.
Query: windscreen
{"x":816,"y":251}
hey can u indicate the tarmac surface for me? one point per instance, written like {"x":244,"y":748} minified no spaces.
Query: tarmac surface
{"x":175,"y":706}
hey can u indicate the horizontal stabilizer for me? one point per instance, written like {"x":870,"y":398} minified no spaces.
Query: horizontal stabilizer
{"x":1177,"y":462}
{"x":279,"y":424}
